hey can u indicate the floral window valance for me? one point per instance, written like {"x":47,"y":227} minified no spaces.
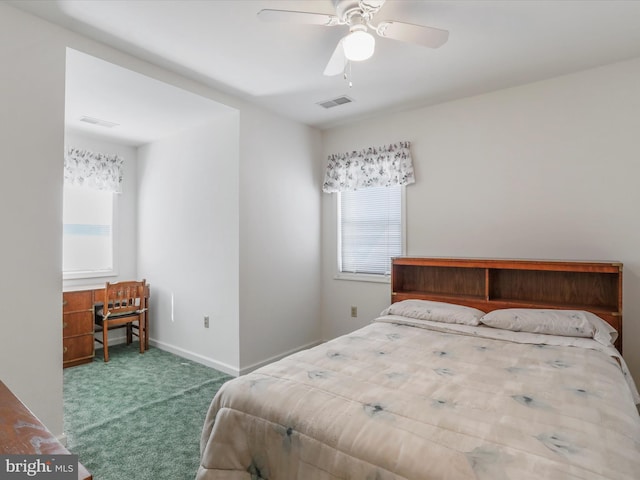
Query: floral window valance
{"x":384,"y":166}
{"x":98,"y":171}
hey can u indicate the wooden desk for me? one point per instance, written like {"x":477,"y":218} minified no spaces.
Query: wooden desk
{"x":78,"y":310}
{"x":21,"y":432}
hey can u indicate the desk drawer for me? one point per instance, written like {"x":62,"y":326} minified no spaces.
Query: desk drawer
{"x":77,"y":301}
{"x":77,"y":348}
{"x":77,"y":323}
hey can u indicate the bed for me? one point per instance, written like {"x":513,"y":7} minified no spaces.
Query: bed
{"x":470,"y":373}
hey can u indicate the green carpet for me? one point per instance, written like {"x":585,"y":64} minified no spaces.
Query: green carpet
{"x":138,"y":416}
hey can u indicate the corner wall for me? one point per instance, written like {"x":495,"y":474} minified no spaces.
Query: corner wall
{"x":188,"y":241}
{"x":279,"y":237}
{"x":547,"y":170}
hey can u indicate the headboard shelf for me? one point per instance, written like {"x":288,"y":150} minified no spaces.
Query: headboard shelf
{"x":586,"y":288}
{"x":457,"y":281}
{"x":489,"y":284}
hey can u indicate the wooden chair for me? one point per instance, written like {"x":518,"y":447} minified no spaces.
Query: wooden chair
{"x":124,"y":304}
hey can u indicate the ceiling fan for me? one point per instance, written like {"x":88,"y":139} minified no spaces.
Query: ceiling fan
{"x":359,"y":44}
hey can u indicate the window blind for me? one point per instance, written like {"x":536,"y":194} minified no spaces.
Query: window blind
{"x":370,"y":229}
{"x":88,"y":239}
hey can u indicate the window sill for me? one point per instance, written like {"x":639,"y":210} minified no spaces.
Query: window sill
{"x":363,"y":277}
{"x":88,"y":275}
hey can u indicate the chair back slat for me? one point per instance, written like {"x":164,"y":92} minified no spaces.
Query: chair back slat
{"x":124,"y":297}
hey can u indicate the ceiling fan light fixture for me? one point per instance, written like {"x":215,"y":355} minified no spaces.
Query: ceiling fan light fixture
{"x":358,"y":45}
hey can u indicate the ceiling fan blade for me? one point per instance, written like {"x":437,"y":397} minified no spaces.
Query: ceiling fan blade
{"x":289,"y":16}
{"x":408,"y":32}
{"x":337,"y":62}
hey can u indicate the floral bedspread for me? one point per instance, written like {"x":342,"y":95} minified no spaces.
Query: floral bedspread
{"x":393,"y":401}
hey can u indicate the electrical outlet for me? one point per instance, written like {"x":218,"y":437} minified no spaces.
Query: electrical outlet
{"x":354,"y":311}
{"x":206,"y":321}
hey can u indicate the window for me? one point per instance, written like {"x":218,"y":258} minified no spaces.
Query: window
{"x":371,"y":231}
{"x":88,"y":246}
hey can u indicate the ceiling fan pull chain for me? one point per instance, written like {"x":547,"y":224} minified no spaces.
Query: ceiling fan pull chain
{"x":348,"y":76}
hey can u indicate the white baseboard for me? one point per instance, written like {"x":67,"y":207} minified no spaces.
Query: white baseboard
{"x":209,"y":362}
{"x":224,"y":367}
{"x":62,"y":439}
{"x":275,"y":358}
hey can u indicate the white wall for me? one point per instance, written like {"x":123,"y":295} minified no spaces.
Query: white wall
{"x":127,"y":216}
{"x":279,"y":237}
{"x":230,"y":228}
{"x":31,"y":148}
{"x":547,"y":170}
{"x":188,"y":240}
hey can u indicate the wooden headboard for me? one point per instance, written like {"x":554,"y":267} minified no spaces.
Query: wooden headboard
{"x":490,"y":284}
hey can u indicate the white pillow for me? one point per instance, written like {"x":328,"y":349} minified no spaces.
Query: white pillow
{"x":568,"y":323}
{"x":435,"y":311}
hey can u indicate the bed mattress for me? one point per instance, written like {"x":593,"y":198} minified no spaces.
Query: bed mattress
{"x":400,"y":400}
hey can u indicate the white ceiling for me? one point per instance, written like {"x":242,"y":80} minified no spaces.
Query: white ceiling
{"x":143,"y":109}
{"x":492,"y":45}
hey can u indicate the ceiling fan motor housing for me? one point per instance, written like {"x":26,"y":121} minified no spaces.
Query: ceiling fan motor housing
{"x":352,"y":12}
{"x":343,"y":7}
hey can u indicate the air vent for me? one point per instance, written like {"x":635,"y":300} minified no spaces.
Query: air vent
{"x":97,"y":121}
{"x":335,"y":102}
